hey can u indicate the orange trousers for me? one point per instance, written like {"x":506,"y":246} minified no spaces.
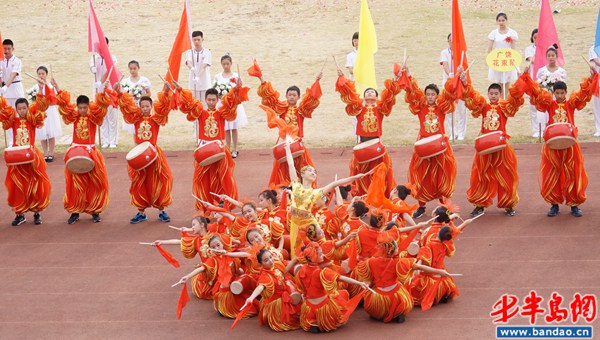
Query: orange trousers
{"x":360,"y":187}
{"x":217,"y":178}
{"x":87,"y":193}
{"x":435,"y":177}
{"x":28,"y":185}
{"x":151,"y":186}
{"x":562,"y":176}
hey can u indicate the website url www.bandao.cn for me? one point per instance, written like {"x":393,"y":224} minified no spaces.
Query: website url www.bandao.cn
{"x":544,"y":332}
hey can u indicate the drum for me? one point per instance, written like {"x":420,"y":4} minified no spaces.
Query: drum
{"x":490,"y":142}
{"x":413,"y":248}
{"x":431,"y":146}
{"x":369,"y":151}
{"x":559,"y":136}
{"x":18,"y":155}
{"x":208,"y":153}
{"x":78,"y":159}
{"x":242,"y":283}
{"x":297,"y":149}
{"x":141,"y":156}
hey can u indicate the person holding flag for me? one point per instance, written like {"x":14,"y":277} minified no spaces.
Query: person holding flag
{"x":457,"y":130}
{"x":11,"y":87}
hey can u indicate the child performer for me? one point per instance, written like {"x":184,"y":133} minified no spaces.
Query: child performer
{"x":51,"y":129}
{"x":223,"y":82}
{"x":494,"y":173}
{"x":369,"y":125}
{"x":150,"y":186}
{"x":85,"y":192}
{"x":433,"y":177}
{"x":216,"y":177}
{"x":562,"y":174}
{"x":28,"y":185}
{"x":293,"y":111}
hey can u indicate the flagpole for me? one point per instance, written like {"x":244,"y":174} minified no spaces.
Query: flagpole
{"x":95,"y":80}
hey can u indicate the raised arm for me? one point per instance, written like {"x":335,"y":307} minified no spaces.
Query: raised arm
{"x":348,"y":95}
{"x":343,"y":181}
{"x":290,"y":161}
{"x":162,"y":106}
{"x":192,"y":274}
{"x":131,"y":112}
{"x":579,"y":99}
{"x":232,"y":99}
{"x":474,"y":101}
{"x":67,"y":110}
{"x":270,"y":97}
{"x":99,"y":107}
{"x":446,"y":101}
{"x":415,"y":97}
{"x":515,"y":100}
{"x":311,"y":97}
{"x":7,"y":114}
{"x":388,"y":96}
{"x":190,"y":106}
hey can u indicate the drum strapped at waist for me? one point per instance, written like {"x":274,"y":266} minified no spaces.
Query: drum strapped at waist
{"x":202,"y":141}
{"x":363,"y":139}
{"x":89,"y":146}
{"x":300,"y":213}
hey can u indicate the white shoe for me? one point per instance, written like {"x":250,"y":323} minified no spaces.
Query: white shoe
{"x":536,"y":135}
{"x":112,"y":146}
{"x":104,"y":146}
{"x":461,"y":137}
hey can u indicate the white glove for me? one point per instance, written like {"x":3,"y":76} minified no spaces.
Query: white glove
{"x":98,"y":85}
{"x":93,"y":69}
{"x":193,"y":69}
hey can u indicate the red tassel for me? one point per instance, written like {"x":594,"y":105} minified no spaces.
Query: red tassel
{"x":404,"y":81}
{"x":183,"y":300}
{"x":352,"y":256}
{"x":341,"y":81}
{"x":168,"y":256}
{"x":315,"y":90}
{"x":397,"y":69}
{"x":254,"y":70}
{"x":352,"y":304}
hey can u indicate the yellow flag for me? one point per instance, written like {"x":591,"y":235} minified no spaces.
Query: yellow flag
{"x":364,"y":69}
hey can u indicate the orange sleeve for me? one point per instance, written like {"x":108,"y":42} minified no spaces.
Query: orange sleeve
{"x":515,"y":100}
{"x":404,"y":269}
{"x":388,"y":97}
{"x":162,"y":108}
{"x":446,"y":101}
{"x":308,"y":103}
{"x":349,"y":96}
{"x":450,"y":248}
{"x":579,"y":99}
{"x":267,"y":281}
{"x":277,"y":229}
{"x":231,"y":100}
{"x":131,"y":112}
{"x":67,"y":110}
{"x":414,"y":97}
{"x":538,"y":97}
{"x":7,"y":114}
{"x":363,"y":271}
{"x":99,"y":108}
{"x":329,"y":280}
{"x":37,"y":111}
{"x":425,"y":255}
{"x":191,"y":106}
{"x":188,"y":246}
{"x":474,"y":101}
{"x":270,"y":98}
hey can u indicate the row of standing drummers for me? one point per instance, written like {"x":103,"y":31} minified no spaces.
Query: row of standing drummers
{"x":432,"y":169}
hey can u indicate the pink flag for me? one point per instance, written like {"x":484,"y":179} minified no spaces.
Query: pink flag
{"x":547,"y":37}
{"x":97,"y":44}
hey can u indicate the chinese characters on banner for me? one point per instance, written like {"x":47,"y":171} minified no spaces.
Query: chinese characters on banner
{"x":504,"y":59}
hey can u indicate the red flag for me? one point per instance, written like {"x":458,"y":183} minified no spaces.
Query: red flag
{"x":241,"y":314}
{"x":352,"y":304}
{"x":182,"y":43}
{"x":315,"y":90}
{"x":459,"y":44}
{"x":183,"y":300}
{"x":254,"y":70}
{"x":1,"y":49}
{"x":376,"y":195}
{"x":168,"y":256}
{"x":547,"y":37}
{"x":97,"y":44}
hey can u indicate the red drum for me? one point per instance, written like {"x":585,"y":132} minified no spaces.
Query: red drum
{"x":18,"y":155}
{"x":243,"y":283}
{"x":78,"y":159}
{"x":560,"y":136}
{"x":369,"y":151}
{"x":490,"y":142}
{"x":141,"y":156}
{"x":208,"y":153}
{"x":431,"y":146}
{"x":297,"y":149}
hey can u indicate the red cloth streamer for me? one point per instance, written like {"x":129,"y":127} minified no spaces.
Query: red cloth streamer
{"x":254,"y":70}
{"x":595,"y":86}
{"x":224,"y":274}
{"x":273,"y":121}
{"x":315,"y":90}
{"x":341,"y":81}
{"x":376,"y":192}
{"x":168,"y":256}
{"x":174,"y":101}
{"x":50,"y":95}
{"x":397,"y":69}
{"x":241,"y":314}
{"x":406,"y":242}
{"x":183,"y":300}
{"x":352,"y":254}
{"x":352,"y":304}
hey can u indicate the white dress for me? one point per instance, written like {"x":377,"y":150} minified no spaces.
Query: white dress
{"x":546,"y":78}
{"x":134,"y":89}
{"x":499,"y":40}
{"x":52,"y":127}
{"x":223,"y":85}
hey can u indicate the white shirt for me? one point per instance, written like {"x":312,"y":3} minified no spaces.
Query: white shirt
{"x":499,"y":39}
{"x":142,"y":82}
{"x":7,"y":67}
{"x":446,"y":56}
{"x":98,"y":62}
{"x":530,"y":54}
{"x":544,"y":76}
{"x":351,"y":60}
{"x":593,"y":56}
{"x":199,"y":80}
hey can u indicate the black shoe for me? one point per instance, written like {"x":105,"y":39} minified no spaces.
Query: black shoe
{"x":96,"y":218}
{"x":477,"y":211}
{"x":50,"y":159}
{"x":419,"y":212}
{"x":510,"y":211}
{"x":445,"y":299}
{"x":400,"y":318}
{"x":19,"y":219}
{"x":74,"y":218}
{"x":553,"y":210}
{"x":575,"y":211}
{"x":315,"y":329}
{"x":37,"y":218}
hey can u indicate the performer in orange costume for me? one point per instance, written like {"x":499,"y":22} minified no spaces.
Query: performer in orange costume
{"x":217,"y":177}
{"x":562,"y":174}
{"x":494,"y":173}
{"x":150,"y":186}
{"x":293,"y":111}
{"x":369,"y":125}
{"x":434,"y":177}
{"x":28,"y":185}
{"x":86,"y":192}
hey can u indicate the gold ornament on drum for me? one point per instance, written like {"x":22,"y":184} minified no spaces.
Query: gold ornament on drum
{"x":431,"y":122}
{"x":560,"y":115}
{"x":22,"y":137}
{"x":82,"y":129}
{"x":290,"y":117}
{"x":492,"y":119}
{"x":211,"y":128}
{"x":144,"y":132}
{"x":369,"y":123}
